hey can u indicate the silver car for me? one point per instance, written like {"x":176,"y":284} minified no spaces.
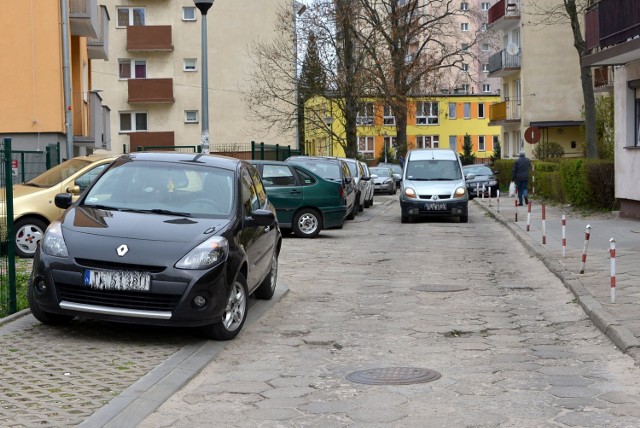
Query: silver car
{"x":383,"y":180}
{"x":369,"y":191}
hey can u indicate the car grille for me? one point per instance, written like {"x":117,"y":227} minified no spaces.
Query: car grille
{"x":118,"y":299}
{"x":431,"y":196}
{"x":99,"y":264}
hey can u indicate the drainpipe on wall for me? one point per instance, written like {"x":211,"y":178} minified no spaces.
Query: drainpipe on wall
{"x":66,"y":76}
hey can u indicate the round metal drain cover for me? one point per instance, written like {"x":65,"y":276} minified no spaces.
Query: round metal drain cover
{"x":439,"y":288}
{"x":393,"y":376}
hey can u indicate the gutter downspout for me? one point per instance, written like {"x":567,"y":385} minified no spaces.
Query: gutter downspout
{"x":66,"y":76}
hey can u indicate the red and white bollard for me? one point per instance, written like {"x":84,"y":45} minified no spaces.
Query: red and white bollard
{"x":516,"y":201}
{"x":544,"y":224}
{"x":498,"y":199}
{"x":587,"y":234}
{"x":528,"y":216}
{"x":564,"y":235}
{"x":612,"y":254}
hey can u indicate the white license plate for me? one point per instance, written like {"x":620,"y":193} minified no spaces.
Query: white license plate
{"x":435,"y":206}
{"x":122,"y":280}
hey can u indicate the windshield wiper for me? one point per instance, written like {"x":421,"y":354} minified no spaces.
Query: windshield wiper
{"x":102,"y":207}
{"x":167,"y":212}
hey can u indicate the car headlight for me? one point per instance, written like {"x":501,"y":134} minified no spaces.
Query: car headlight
{"x":410,"y":193}
{"x":387,"y":181}
{"x":53,"y":242}
{"x":460,"y":192}
{"x":206,"y":255}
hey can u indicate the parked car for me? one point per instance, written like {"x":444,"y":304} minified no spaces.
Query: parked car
{"x":383,"y":181}
{"x":483,"y":177}
{"x":397,"y":171}
{"x":33,"y":207}
{"x":166,"y":239}
{"x":433,"y":186}
{"x":332,"y":169}
{"x":359,"y":179}
{"x":304,"y":201}
{"x":369,"y":192}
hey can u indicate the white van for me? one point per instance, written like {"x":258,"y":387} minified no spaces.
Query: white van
{"x":433,"y":185}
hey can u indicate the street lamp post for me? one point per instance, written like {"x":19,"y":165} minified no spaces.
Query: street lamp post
{"x":204,"y":6}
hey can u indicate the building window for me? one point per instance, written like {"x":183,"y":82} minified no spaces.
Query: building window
{"x":132,"y":68}
{"x":365,"y":147}
{"x":191,"y":116}
{"x":484,"y":27}
{"x":485,"y":47}
{"x":452,"y":111}
{"x":128,"y":16}
{"x":480,"y":110}
{"x":133,"y":121}
{"x":485,"y":68}
{"x":464,"y":47}
{"x":388,"y":118}
{"x":481,"y":144}
{"x":486,"y":88}
{"x":485,"y":6}
{"x":465,"y":67}
{"x":427,"y":113}
{"x":467,"y":110}
{"x":188,"y":13}
{"x":464,"y":26}
{"x":427,"y":141}
{"x":365,"y":114}
{"x":452,"y":142}
{"x":464,"y":6}
{"x":189,"y":64}
{"x":389,"y":142}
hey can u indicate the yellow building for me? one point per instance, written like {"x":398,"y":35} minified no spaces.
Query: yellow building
{"x":440,"y":121}
{"x":33,"y":106}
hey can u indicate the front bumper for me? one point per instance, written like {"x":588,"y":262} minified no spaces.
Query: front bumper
{"x":428,"y":208}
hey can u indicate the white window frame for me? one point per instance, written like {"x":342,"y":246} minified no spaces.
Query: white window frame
{"x":184,"y":14}
{"x":427,"y":141}
{"x":186,"y":65}
{"x":485,"y":68}
{"x":389,"y":142}
{"x":132,"y":68}
{"x":484,"y":27}
{"x":464,"y":6}
{"x":427,"y":113}
{"x":191,"y":120}
{"x":482,"y":143}
{"x":387,"y":117}
{"x":465,"y":67}
{"x":486,"y":88}
{"x":485,"y":6}
{"x":366,"y":146}
{"x":485,"y":47}
{"x":466,"y":107}
{"x":130,"y":10}
{"x":453,"y":110}
{"x":133,"y":115}
{"x":364,"y":116}
{"x":464,"y":26}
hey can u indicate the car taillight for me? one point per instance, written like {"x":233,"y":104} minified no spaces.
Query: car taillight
{"x":342,"y":194}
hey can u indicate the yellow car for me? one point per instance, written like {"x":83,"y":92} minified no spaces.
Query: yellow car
{"x":33,"y":201}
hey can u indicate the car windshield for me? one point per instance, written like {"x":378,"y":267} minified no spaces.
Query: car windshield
{"x":433,"y":169}
{"x":353,"y":168}
{"x":58,"y":173}
{"x":158,"y":187}
{"x":397,"y":169}
{"x":325,"y":169}
{"x":477,"y":170}
{"x":381,"y":172}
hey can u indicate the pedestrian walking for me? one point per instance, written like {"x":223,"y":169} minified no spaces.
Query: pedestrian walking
{"x":520,"y":176}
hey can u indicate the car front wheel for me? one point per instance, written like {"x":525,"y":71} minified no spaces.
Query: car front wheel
{"x":234,"y":316}
{"x":268,"y":286}
{"x":29,"y":232}
{"x":307,"y":223}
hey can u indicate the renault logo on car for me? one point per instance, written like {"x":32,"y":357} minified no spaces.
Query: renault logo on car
{"x":434,"y":198}
{"x":122,"y":250}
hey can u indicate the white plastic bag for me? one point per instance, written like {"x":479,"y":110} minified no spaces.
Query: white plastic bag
{"x":512,"y":189}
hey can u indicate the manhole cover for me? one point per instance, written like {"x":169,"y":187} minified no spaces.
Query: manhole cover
{"x":393,"y":376}
{"x":439,"y":288}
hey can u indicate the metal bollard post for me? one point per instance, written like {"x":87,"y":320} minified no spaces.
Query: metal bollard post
{"x":498,"y":199}
{"x":612,"y":254}
{"x":529,"y":216}
{"x":564,"y":235}
{"x":584,"y":249}
{"x":516,"y":201}
{"x":544,"y":224}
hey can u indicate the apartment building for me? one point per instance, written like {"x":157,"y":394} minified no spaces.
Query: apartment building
{"x":152,"y":82}
{"x":612,"y":36}
{"x":541,"y":94}
{"x":440,"y":121}
{"x":44,"y":92}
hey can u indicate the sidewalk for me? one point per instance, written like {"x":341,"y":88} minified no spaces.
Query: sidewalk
{"x":620,"y":321}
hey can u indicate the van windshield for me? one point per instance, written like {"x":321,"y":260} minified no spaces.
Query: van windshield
{"x":433,"y":169}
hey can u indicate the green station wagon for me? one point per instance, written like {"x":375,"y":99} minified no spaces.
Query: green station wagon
{"x":305,"y":202}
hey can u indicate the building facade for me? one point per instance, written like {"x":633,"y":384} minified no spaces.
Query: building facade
{"x":541,"y":94}
{"x":45,"y":92}
{"x":612,"y":38}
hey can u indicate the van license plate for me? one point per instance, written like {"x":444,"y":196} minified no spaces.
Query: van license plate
{"x":435,"y":206}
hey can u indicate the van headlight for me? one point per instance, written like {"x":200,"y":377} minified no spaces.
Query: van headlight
{"x":211,"y":252}
{"x":410,"y":193}
{"x":460,"y":192}
{"x":53,"y":242}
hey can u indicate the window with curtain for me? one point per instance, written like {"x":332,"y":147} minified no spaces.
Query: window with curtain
{"x":129,"y":16}
{"x":132,"y":69}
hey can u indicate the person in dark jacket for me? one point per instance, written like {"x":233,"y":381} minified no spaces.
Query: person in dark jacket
{"x":520,"y":176}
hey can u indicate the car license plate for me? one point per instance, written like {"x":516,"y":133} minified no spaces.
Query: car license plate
{"x":435,"y":206}
{"x":121,"y":280}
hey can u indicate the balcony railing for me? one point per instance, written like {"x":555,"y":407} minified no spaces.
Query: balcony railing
{"x":502,"y":63}
{"x":505,"y":110}
{"x":98,"y":47}
{"x":150,"y":90}
{"x":149,"y":38}
{"x":503,"y":9}
{"x":83,"y":18}
{"x":603,"y":78}
{"x":610,"y":22}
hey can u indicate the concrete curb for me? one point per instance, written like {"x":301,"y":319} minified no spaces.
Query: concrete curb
{"x":621,"y":337}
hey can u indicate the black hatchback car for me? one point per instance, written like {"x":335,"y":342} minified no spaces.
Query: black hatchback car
{"x":168,"y":239}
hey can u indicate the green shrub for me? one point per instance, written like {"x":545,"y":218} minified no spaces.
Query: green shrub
{"x":600,"y":178}
{"x":504,"y":168}
{"x":548,"y":150}
{"x":548,"y":185}
{"x":574,"y":183}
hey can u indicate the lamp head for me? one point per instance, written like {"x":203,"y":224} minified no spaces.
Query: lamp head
{"x":203,"y":5}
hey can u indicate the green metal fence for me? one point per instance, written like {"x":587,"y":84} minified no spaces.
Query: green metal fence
{"x":7,"y":256}
{"x":264,"y":151}
{"x":27,"y":164}
{"x":188,"y":149}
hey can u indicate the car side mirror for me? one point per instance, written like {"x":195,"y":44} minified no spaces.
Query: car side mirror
{"x":263,"y":217}
{"x":366,"y":178}
{"x":396,"y":176}
{"x":63,"y":200}
{"x":373,"y":176}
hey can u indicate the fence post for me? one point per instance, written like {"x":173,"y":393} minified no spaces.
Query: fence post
{"x":11,"y":256}
{"x":253,"y":150}
{"x":262,"y":151}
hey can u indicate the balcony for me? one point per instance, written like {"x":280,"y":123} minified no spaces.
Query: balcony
{"x":149,"y":38}
{"x":150,"y":139}
{"x":150,"y":91}
{"x":603,"y":79}
{"x":503,"y":64}
{"x":612,"y":33}
{"x":99,"y":135}
{"x":504,"y":15}
{"x":505,"y":111}
{"x":98,"y":47}
{"x":83,"y":18}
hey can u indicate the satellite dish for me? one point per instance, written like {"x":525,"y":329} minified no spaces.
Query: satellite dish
{"x":512,"y":49}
